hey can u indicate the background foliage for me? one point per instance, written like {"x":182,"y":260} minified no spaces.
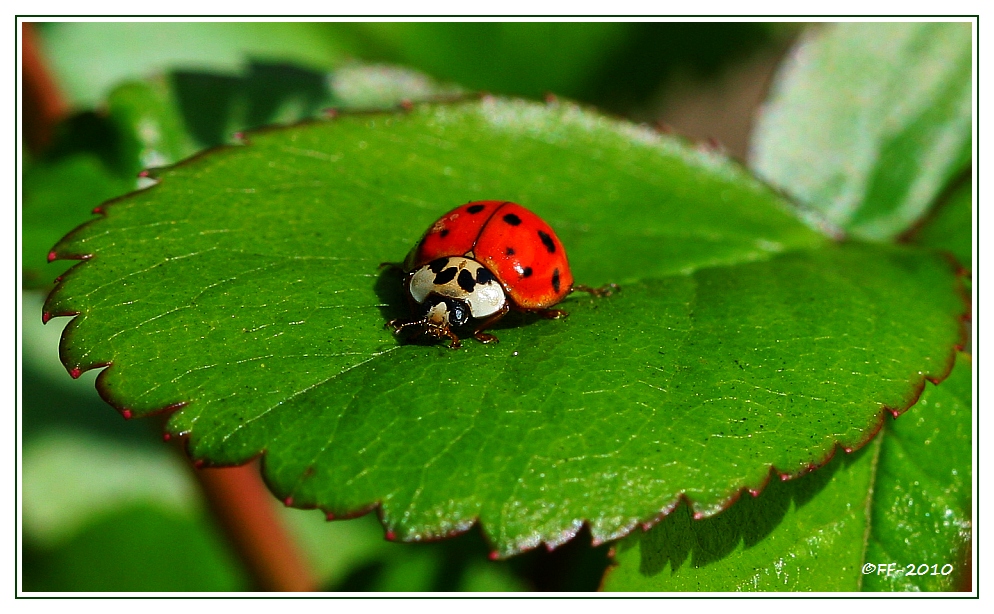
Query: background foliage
{"x":168,"y":117}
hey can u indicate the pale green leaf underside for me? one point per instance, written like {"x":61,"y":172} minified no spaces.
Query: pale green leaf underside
{"x":246,"y":285}
{"x":868,"y":123}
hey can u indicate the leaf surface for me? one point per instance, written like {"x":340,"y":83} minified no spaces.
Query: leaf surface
{"x":244,"y":292}
{"x":855,"y":524}
{"x":869,"y":123}
{"x":152,"y":124}
{"x":921,"y":514}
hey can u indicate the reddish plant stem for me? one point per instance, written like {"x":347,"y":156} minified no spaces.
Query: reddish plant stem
{"x":247,"y":514}
{"x":43,"y":104}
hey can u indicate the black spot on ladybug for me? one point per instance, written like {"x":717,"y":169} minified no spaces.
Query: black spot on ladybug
{"x":509,"y":251}
{"x":466,"y":281}
{"x":475,"y":208}
{"x":526,"y":272}
{"x":436,"y":266}
{"x":446,"y":276}
{"x":446,"y":232}
{"x":484,"y":276}
{"x":547,"y":242}
{"x":555,"y":280}
{"x":512,"y":219}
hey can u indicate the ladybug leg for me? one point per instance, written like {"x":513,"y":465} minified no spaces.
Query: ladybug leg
{"x":456,"y":343}
{"x":483,"y":337}
{"x":400,"y":324}
{"x":552,"y":314}
{"x":606,"y":290}
{"x":424,"y":328}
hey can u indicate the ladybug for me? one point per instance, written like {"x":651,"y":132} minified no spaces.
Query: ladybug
{"x":479,"y":261}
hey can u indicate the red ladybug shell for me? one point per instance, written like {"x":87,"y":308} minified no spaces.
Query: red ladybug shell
{"x":520,"y":249}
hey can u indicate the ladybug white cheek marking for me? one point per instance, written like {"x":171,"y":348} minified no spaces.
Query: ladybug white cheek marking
{"x":459,"y":278}
{"x":486,"y":300}
{"x":439,"y":314}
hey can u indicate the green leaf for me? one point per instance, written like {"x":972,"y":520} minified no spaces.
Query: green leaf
{"x":868,"y":123}
{"x":351,"y":555}
{"x":216,"y":105}
{"x":801,"y":535}
{"x":950,"y":227}
{"x":922,"y":496}
{"x":58,"y":196}
{"x":101,"y":516}
{"x":244,"y":291}
{"x":384,"y":87}
{"x":149,"y":124}
{"x":90,"y":58}
{"x":70,"y":479}
{"x":136,"y":548}
{"x":855,"y":524}
{"x":147,"y":119}
{"x":526,"y":59}
{"x":97,"y":157}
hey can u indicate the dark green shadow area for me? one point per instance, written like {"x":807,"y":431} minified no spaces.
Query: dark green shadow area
{"x":214,"y":105}
{"x":679,"y":540}
{"x":141,"y":547}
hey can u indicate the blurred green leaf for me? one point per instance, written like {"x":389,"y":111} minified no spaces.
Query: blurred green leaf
{"x":148,"y":121}
{"x":869,"y":123}
{"x":483,"y":577}
{"x":216,"y":105}
{"x":101,"y":516}
{"x":621,"y":66}
{"x":90,"y":58}
{"x":69,"y":480}
{"x":351,"y":555}
{"x":950,"y":227}
{"x":741,"y":339}
{"x":57,"y":197}
{"x":524,"y":58}
{"x":384,"y":87}
{"x":136,"y":548}
{"x":618,"y":65}
{"x":895,"y":502}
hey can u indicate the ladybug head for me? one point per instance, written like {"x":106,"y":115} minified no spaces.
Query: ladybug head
{"x":450,"y":293}
{"x":444,"y":312}
{"x":438,"y":316}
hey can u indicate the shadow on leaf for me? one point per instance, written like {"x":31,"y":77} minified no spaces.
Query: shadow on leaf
{"x":679,"y":539}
